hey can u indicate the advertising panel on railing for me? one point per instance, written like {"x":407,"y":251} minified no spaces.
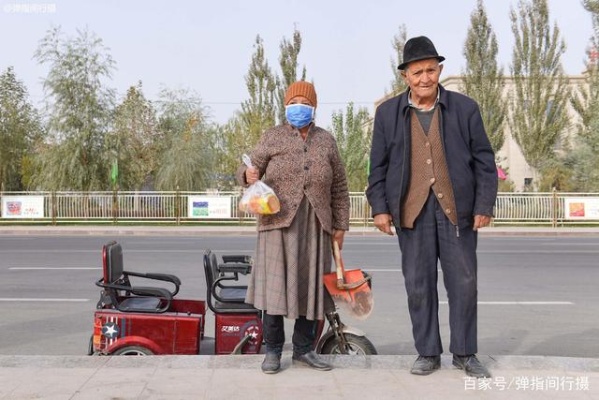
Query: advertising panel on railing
{"x":22,"y":206}
{"x":209,"y":207}
{"x":582,"y":207}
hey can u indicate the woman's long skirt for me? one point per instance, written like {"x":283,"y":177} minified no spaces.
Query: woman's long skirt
{"x":286,"y":277}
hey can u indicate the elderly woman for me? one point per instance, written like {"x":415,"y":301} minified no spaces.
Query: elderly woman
{"x":301,"y":162}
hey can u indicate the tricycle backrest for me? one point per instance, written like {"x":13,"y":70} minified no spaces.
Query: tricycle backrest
{"x":210,"y":270}
{"x":112,"y":257}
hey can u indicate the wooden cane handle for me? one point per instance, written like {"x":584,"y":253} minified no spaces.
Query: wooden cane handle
{"x":338,"y":264}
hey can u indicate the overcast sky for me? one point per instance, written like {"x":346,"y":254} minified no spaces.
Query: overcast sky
{"x":206,"y":45}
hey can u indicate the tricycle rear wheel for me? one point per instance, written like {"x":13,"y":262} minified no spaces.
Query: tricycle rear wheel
{"x":133,"y":351}
{"x":356,"y":345}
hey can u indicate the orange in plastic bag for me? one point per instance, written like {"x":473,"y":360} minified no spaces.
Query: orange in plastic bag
{"x":267,"y":204}
{"x":259,"y":198}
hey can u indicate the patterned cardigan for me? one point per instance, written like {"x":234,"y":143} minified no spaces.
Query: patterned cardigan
{"x":293,"y":168}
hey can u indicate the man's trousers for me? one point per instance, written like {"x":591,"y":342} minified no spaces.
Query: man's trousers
{"x":434,"y":238}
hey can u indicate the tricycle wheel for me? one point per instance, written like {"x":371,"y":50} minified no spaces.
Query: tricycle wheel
{"x":356,"y":345}
{"x":133,"y":351}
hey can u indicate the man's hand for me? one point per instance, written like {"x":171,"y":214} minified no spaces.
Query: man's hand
{"x":383,"y":222}
{"x":480,"y":221}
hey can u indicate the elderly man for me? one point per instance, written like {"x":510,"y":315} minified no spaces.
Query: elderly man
{"x":433,"y":179}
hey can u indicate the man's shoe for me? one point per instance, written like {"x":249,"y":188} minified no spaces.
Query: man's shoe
{"x":271,"y":363}
{"x":312,"y":360}
{"x":471,"y":365}
{"x":426,"y":365}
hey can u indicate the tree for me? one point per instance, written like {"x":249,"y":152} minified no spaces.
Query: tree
{"x":583,"y":158}
{"x":483,"y":79}
{"x":586,"y":99}
{"x":230,"y":144}
{"x":288,"y":62}
{"x":593,"y":7}
{"x":538,"y":106}
{"x":398,"y":84}
{"x":20,"y":128}
{"x":257,"y":114}
{"x":584,"y":169}
{"x":353,"y":133}
{"x":132,"y":144}
{"x":264,"y":106}
{"x":186,"y":150}
{"x":79,"y":112}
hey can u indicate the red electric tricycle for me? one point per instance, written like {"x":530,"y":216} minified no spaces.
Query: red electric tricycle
{"x":150,"y":319}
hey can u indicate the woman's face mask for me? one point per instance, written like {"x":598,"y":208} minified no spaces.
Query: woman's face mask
{"x":299,"y":115}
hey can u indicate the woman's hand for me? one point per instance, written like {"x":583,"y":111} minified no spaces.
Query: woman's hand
{"x":338,"y":236}
{"x":251,"y":175}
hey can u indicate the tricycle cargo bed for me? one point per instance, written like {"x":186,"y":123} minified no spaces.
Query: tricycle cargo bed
{"x":171,"y":332}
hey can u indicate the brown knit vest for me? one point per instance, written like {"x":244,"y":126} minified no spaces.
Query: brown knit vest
{"x":428,"y":169}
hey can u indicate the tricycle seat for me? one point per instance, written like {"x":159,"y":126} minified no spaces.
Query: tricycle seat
{"x":119,"y":293}
{"x":221,"y":297}
{"x":139,"y":303}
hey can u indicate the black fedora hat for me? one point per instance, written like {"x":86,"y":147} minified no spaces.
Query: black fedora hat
{"x":419,"y":48}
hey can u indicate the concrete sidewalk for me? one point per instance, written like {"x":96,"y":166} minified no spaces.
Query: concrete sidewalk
{"x":230,"y":377}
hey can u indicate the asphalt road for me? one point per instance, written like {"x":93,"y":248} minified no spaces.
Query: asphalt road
{"x":538,"y":295}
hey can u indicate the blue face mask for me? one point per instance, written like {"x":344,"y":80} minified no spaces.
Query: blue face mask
{"x":299,"y":115}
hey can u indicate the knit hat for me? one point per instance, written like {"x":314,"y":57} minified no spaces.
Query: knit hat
{"x":301,"y":88}
{"x":419,"y":48}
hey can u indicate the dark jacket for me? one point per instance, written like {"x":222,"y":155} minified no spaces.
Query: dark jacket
{"x":470,"y":158}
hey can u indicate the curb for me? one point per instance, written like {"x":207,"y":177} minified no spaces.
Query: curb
{"x":21,"y":230}
{"x":374,"y":362}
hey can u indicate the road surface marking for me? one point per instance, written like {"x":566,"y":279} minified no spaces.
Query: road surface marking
{"x":524,"y":303}
{"x":55,"y":268}
{"x":43,"y":300}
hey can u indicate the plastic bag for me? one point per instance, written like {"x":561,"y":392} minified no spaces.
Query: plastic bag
{"x":259,"y":198}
